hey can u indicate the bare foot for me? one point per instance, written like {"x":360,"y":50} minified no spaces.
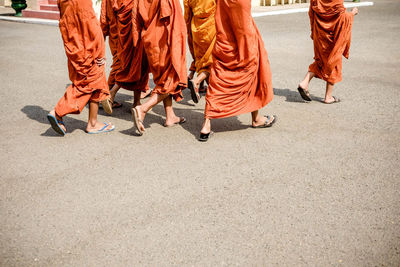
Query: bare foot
{"x":174,"y":120}
{"x":98,"y":126}
{"x":262,"y":121}
{"x":141,"y":116}
{"x":206,"y":128}
{"x":53,"y":112}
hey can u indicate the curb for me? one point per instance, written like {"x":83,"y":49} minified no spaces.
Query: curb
{"x":30,"y":20}
{"x":254,"y":14}
{"x":302,"y":10}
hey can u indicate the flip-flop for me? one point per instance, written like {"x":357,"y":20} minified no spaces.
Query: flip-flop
{"x":136,"y":121}
{"x":56,"y":124}
{"x":268,"y":123}
{"x":336,"y":100}
{"x":107,"y":105}
{"x":304,"y":94}
{"x":194,"y":94}
{"x":103,"y":130}
{"x":205,"y":136}
{"x":181,"y":121}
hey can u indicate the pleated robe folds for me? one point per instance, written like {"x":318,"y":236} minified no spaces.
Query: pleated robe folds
{"x":134,"y":70}
{"x":200,"y":23}
{"x":240,"y":79}
{"x":109,"y":27}
{"x":331,"y":33}
{"x":83,"y":43}
{"x":160,"y":26}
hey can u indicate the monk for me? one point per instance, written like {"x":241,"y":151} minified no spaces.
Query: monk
{"x":240,"y":79}
{"x":133,"y":74}
{"x":109,"y":27}
{"x":200,"y":23}
{"x":85,"y":50}
{"x":160,"y":27}
{"x":331,"y":34}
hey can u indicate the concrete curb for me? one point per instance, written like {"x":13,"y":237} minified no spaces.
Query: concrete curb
{"x":301,"y":10}
{"x":254,"y":14}
{"x":30,"y":20}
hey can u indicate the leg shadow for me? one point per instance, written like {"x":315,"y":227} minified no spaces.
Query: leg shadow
{"x":39,"y":114}
{"x":293,"y":96}
{"x":195,"y":119}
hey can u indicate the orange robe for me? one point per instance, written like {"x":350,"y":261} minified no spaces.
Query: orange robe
{"x":331,"y":33}
{"x":133,"y":73}
{"x":83,"y":43}
{"x":161,"y":27}
{"x":109,"y":27}
{"x":240,"y":79}
{"x":200,"y":23}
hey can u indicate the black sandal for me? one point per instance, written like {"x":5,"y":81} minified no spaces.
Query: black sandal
{"x":304,"y":93}
{"x":195,"y":95}
{"x":205,"y":136}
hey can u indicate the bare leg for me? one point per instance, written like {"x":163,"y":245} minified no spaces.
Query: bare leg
{"x":148,"y":105}
{"x":328,"y":94}
{"x":171,"y":118}
{"x":206,"y":128}
{"x":257,"y":120}
{"x":114,"y":91}
{"x":53,"y":112}
{"x":93,"y":124}
{"x":136,"y":98}
{"x":304,"y":84}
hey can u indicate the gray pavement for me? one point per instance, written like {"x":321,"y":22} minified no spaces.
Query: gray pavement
{"x":320,"y":188}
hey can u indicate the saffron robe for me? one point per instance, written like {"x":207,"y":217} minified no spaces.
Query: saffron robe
{"x":109,"y":27}
{"x":83,"y":43}
{"x":200,"y":23}
{"x":160,"y":26}
{"x":331,"y":33}
{"x":240,"y":79}
{"x":134,"y":71}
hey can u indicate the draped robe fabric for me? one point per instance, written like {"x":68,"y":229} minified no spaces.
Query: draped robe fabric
{"x":160,"y":26}
{"x":109,"y":27}
{"x":83,"y":43}
{"x":240,"y":79}
{"x":331,"y":33}
{"x":133,"y":73}
{"x":200,"y":23}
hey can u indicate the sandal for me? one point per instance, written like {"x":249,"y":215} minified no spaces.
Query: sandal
{"x":336,"y":100}
{"x":56,"y":124}
{"x":136,"y":121}
{"x":181,"y":121}
{"x":103,"y":130}
{"x":107,"y":106}
{"x":205,"y":136}
{"x":304,"y":93}
{"x":193,"y":92}
{"x":268,"y":123}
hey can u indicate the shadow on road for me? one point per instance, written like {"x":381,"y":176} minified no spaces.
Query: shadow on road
{"x":293,"y":95}
{"x":39,"y":114}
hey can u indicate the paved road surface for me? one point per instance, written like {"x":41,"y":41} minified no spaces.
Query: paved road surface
{"x":321,"y":188}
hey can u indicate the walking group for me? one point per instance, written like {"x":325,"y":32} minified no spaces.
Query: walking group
{"x":150,"y":36}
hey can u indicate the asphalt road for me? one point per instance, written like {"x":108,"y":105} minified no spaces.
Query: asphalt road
{"x":320,"y":188}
